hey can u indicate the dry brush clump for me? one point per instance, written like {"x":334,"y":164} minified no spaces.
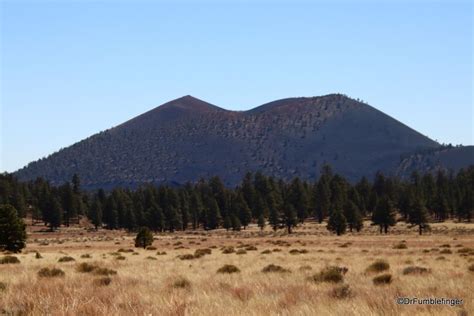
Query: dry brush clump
{"x":382,"y":279}
{"x":341,"y":292}
{"x":378,"y":266}
{"x":273,"y":268}
{"x":181,"y":283}
{"x":66,"y":259}
{"x":51,"y":273}
{"x":331,"y":274}
{"x":415,"y":270}
{"x":103,"y":281}
{"x":9,"y":260}
{"x":228,"y":268}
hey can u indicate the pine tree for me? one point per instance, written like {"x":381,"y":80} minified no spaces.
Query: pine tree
{"x":213,"y":216}
{"x":227,"y":224}
{"x":418,"y":215}
{"x":155,"y":217}
{"x":337,"y":222}
{"x":12,"y":229}
{"x":289,"y":217}
{"x":95,"y":213}
{"x":261,"y":222}
{"x":196,"y":208}
{"x":241,"y":208}
{"x":144,"y":238}
{"x":322,"y":199}
{"x":384,"y":214}
{"x":274,"y":217}
{"x":235,"y":222}
{"x":353,"y":216}
{"x":298,"y":197}
{"x":110,"y":215}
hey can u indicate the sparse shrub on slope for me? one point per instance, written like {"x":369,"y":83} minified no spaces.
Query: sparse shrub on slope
{"x":9,"y":260}
{"x":378,"y":266}
{"x":228,"y":268}
{"x":329,"y":274}
{"x":50,"y":273}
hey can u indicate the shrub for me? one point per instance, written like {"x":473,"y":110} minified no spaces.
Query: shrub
{"x":202,"y":252}
{"x":471,"y":268}
{"x":415,"y":270}
{"x":251,"y":248}
{"x":341,"y":291}
{"x":228,"y":249}
{"x":241,"y":252}
{"x":103,"y":281}
{"x":274,"y":268}
{"x":378,"y":266}
{"x":85,"y":267}
{"x":400,"y":246}
{"x":329,"y":274}
{"x":187,"y":256}
{"x":3,"y":286}
{"x":266,"y":252}
{"x":151,"y":248}
{"x":441,"y":258}
{"x":38,"y":255}
{"x":465,"y":250}
{"x":104,"y":271}
{"x":181,"y":283}
{"x":161,"y":253}
{"x":86,"y":256}
{"x":445,"y":246}
{"x":151,"y":258}
{"x":446,"y":251}
{"x":144,"y":238}
{"x":125,"y":250}
{"x":228,"y":268}
{"x":298,"y":251}
{"x":66,"y":259}
{"x":382,"y":279}
{"x":120,"y":258}
{"x":345,"y":245}
{"x":305,"y":268}
{"x":9,"y":260}
{"x":50,"y":273}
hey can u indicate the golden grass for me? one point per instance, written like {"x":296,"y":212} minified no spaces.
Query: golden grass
{"x":170,"y":286}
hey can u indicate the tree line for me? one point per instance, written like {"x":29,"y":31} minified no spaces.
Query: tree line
{"x":261,"y":199}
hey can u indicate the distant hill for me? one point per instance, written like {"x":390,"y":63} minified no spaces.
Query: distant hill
{"x":186,"y":139}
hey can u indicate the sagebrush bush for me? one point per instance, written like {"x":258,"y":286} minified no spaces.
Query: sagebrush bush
{"x":401,"y":245}
{"x":202,"y":252}
{"x":161,"y":253}
{"x":241,"y":252}
{"x":86,"y":256}
{"x":103,"y":281}
{"x":378,"y":266}
{"x":104,"y":271}
{"x":298,"y":251}
{"x":151,"y":258}
{"x":341,"y":291}
{"x":181,"y":283}
{"x":120,"y":258}
{"x":228,"y":249}
{"x":38,"y":255}
{"x":66,"y":259}
{"x":415,"y":270}
{"x":50,"y":273}
{"x":329,"y":274}
{"x":274,"y":268}
{"x":266,"y":252}
{"x":382,"y":279}
{"x":3,"y":286}
{"x":151,"y":248}
{"x":465,"y":250}
{"x":305,"y":268}
{"x":85,"y":267}
{"x":228,"y":268}
{"x":125,"y":250}
{"x":251,"y":248}
{"x":9,"y":260}
{"x":445,"y":246}
{"x":471,"y":268}
{"x":187,"y":256}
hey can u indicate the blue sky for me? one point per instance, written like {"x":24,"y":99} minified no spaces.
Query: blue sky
{"x":71,"y":70}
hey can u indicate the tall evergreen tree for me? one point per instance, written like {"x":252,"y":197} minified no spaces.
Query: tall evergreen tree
{"x":337,"y":222}
{"x":289,"y":217}
{"x":95,"y":213}
{"x":384,"y":214}
{"x":418,"y":215}
{"x":353,"y":216}
{"x":12,"y":229}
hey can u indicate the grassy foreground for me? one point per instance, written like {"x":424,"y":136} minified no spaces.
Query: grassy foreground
{"x":162,"y":281}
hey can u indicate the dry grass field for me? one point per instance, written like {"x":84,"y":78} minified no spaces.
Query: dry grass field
{"x":164,"y":281}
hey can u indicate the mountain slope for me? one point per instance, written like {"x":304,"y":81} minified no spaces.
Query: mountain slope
{"x":187,"y":138}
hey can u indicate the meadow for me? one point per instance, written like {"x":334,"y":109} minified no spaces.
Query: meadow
{"x":79,"y":271}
